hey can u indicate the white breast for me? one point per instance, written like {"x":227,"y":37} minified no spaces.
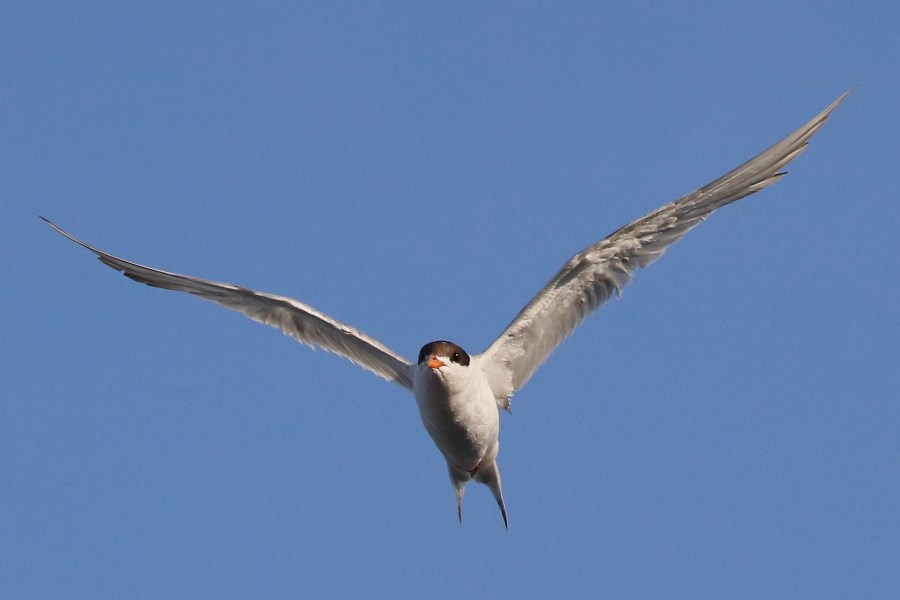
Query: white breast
{"x":459,"y":412}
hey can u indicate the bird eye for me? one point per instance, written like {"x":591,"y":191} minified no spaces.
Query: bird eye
{"x":455,"y":358}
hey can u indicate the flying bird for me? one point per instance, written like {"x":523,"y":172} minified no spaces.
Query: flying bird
{"x":459,"y":395}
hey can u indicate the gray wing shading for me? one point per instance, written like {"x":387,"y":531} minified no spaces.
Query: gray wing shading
{"x":592,"y":276}
{"x":293,"y":318}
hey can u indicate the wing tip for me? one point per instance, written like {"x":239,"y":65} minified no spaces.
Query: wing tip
{"x":823,"y":116}
{"x":51,"y":224}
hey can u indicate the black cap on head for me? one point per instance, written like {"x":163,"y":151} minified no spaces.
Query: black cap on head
{"x":444,"y":348}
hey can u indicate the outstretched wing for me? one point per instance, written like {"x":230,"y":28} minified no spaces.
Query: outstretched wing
{"x":590,"y":277}
{"x":293,"y":318}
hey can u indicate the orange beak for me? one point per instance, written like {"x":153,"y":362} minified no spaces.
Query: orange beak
{"x":434,"y":363}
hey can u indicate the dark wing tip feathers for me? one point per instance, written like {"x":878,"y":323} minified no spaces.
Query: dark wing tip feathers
{"x":64,"y":233}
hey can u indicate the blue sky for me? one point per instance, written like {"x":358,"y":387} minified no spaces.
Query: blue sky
{"x":729,"y":429}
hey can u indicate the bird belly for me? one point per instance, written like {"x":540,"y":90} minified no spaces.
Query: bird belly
{"x":464,"y":425}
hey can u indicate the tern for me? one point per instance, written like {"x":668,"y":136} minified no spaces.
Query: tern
{"x":459,"y":395}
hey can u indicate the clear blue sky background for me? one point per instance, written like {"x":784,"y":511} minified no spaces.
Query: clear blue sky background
{"x":729,"y":429}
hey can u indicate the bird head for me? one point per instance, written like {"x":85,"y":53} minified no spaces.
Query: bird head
{"x":443,"y":354}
